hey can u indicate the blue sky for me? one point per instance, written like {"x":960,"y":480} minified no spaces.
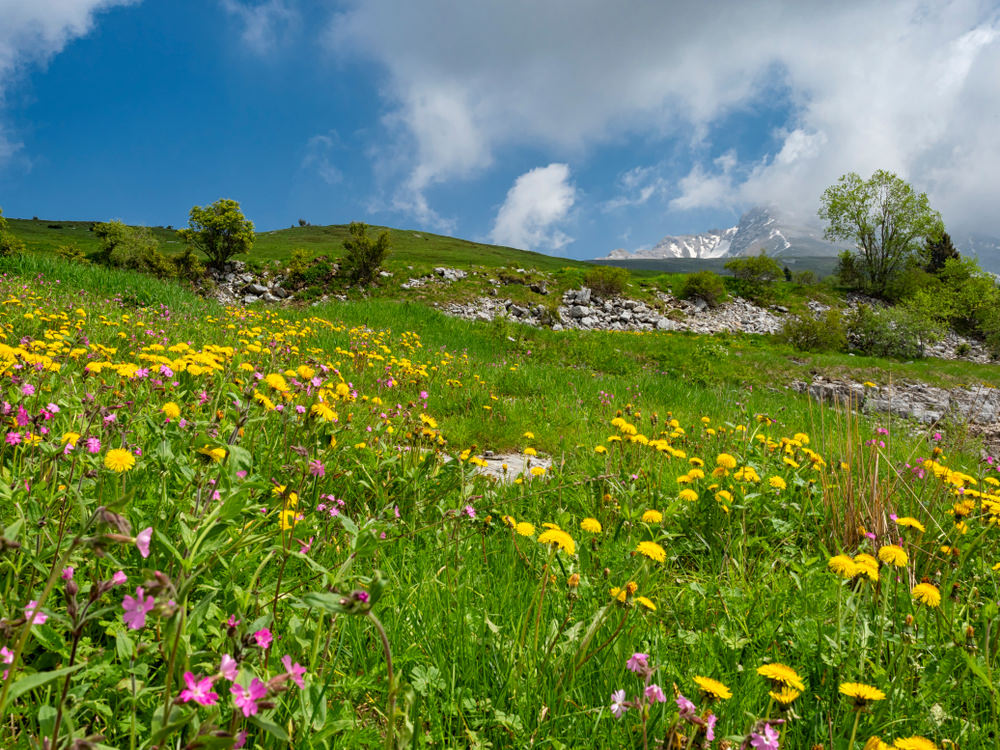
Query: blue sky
{"x":569,"y":127}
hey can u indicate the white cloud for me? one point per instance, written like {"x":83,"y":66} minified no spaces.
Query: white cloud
{"x":265,"y":24}
{"x":701,"y":189}
{"x":318,"y":157}
{"x":538,"y":201}
{"x":907,"y":85}
{"x":31,"y":32}
{"x":635,"y":187}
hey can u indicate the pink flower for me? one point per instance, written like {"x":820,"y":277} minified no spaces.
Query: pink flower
{"x":241,"y":740}
{"x":263,"y":637}
{"x":137,"y":608}
{"x":638,"y":662}
{"x":229,"y":668}
{"x":232,"y":621}
{"x":618,"y":704}
{"x":13,"y":438}
{"x":199,"y":691}
{"x":6,"y":657}
{"x":687,"y":707}
{"x":470,"y":511}
{"x":710,"y":727}
{"x":654,"y":694}
{"x":316,"y":468}
{"x":67,"y":574}
{"x":766,"y":741}
{"x":245,"y":698}
{"x":93,"y":445}
{"x":295,"y":671}
{"x":119,"y":578}
{"x":142,"y":541}
{"x":33,"y":615}
{"x":28,"y":389}
{"x":304,"y":547}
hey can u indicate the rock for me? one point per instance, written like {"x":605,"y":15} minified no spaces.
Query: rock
{"x":268,"y":297}
{"x":578,"y":311}
{"x":280,"y":293}
{"x":450,"y":274}
{"x":588,"y":322}
{"x":255,"y":289}
{"x":517,"y":311}
{"x":249,"y":299}
{"x":582,"y":296}
{"x":781,"y":308}
{"x":539,"y":288}
{"x":665,"y":324}
{"x":385,"y":274}
{"x":700,"y":305}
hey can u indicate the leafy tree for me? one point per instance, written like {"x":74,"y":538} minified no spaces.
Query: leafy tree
{"x":9,"y":244}
{"x":888,"y":222}
{"x":755,"y":276}
{"x":939,"y":251}
{"x":219,"y":230}
{"x":364,"y":255}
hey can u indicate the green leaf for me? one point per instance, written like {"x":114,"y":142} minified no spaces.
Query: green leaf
{"x":271,"y":728}
{"x":32,"y":681}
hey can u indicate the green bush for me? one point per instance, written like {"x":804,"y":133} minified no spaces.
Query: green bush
{"x":805,"y":278}
{"x":297,"y":264}
{"x":364,"y":255}
{"x":606,"y":281}
{"x":754,"y":277}
{"x":134,"y":248}
{"x":809,"y":334}
{"x":703,"y":285}
{"x":10,"y":245}
{"x":188,"y":266}
{"x":891,"y":332}
{"x":72,"y":253}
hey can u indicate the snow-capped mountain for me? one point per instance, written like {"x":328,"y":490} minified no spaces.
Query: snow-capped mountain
{"x":759,"y":229}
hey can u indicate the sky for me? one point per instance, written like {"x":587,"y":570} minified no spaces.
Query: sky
{"x":570,"y":127}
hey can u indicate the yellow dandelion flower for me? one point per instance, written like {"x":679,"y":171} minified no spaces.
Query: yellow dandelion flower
{"x":71,"y":438}
{"x":843,"y":566}
{"x":528,"y":436}
{"x":652,"y":550}
{"x":215,"y":454}
{"x":892,"y":554}
{"x":696,"y":462}
{"x":600,"y":449}
{"x":652,"y":516}
{"x":867,"y":565}
{"x":171,"y":410}
{"x":119,"y":460}
{"x":785,"y":695}
{"x":559,"y":539}
{"x":277,"y":382}
{"x":646,"y":602}
{"x":777,"y":483}
{"x":926,"y":593}
{"x":861,"y":693}
{"x":725,"y":461}
{"x":801,"y":437}
{"x":781,"y":674}
{"x":914,"y":743}
{"x":537,"y":471}
{"x":508,"y":521}
{"x":908,"y":522}
{"x":713,"y":688}
{"x":524,"y":529}
{"x":688,"y":495}
{"x":591,"y":525}
{"x":530,"y":452}
{"x":288,"y":518}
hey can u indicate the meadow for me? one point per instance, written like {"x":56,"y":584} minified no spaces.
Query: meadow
{"x":267,"y":528}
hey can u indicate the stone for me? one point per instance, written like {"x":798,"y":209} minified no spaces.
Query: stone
{"x":255,"y":289}
{"x":582,"y":296}
{"x":249,"y":299}
{"x":539,"y":288}
{"x":579,"y":311}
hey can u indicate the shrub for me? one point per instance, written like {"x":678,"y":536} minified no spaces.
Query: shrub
{"x":364,"y":255}
{"x":805,"y":278}
{"x":71,"y":253}
{"x":755,"y":276}
{"x":891,"y":332}
{"x":219,"y":230}
{"x":188,"y":266}
{"x":606,"y":281}
{"x":809,"y":334}
{"x":9,"y":244}
{"x":297,"y":264}
{"x":703,"y":285}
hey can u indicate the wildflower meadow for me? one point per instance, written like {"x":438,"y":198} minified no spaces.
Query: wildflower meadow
{"x":232,"y":527}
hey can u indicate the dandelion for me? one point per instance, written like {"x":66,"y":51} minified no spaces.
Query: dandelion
{"x":861,"y":693}
{"x":245,"y":698}
{"x":867,"y":565}
{"x":537,"y":471}
{"x":216,"y":454}
{"x":785,"y":696}
{"x":926,"y":593}
{"x":199,"y":691}
{"x":725,"y":461}
{"x":713,"y":689}
{"x":171,"y":410}
{"x":893,"y":555}
{"x":914,"y":743}
{"x":910,"y":523}
{"x":591,"y":525}
{"x":652,"y":550}
{"x":874,"y":743}
{"x":652,"y":516}
{"x":136,"y":608}
{"x":558,"y":539}
{"x":688,"y":495}
{"x":524,"y":529}
{"x":779,"y":674}
{"x":843,"y":566}
{"x":777,"y":483}
{"x":118,"y":460}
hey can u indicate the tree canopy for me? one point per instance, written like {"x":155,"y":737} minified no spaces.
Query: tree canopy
{"x":219,"y":230}
{"x":888,"y":221}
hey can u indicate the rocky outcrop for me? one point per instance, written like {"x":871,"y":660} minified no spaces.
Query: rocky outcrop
{"x":235,"y":284}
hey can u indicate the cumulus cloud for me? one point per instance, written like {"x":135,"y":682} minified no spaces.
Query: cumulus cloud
{"x":538,"y":201}
{"x":907,"y":85}
{"x":30,"y":34}
{"x":319,"y":157}
{"x":264,"y":24}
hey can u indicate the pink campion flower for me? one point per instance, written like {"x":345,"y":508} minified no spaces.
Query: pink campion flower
{"x":54,"y":408}
{"x":768,"y":740}
{"x":686,"y":707}
{"x":295,"y":671}
{"x":316,"y":468}
{"x":34,"y":615}
{"x":241,"y":740}
{"x":199,"y":691}
{"x":423,"y":395}
{"x":6,"y":657}
{"x":67,"y":573}
{"x":119,"y":578}
{"x":304,"y":547}
{"x":137,"y":608}
{"x":710,"y":727}
{"x":13,"y":438}
{"x":937,"y":436}
{"x":470,"y":511}
{"x":142,"y":541}
{"x":245,"y":698}
{"x":232,"y":621}
{"x":110,"y":418}
{"x":93,"y":445}
{"x":28,"y":389}
{"x":654,"y":694}
{"x":229,"y":667}
{"x":263,"y":638}
{"x":638,"y":662}
{"x":22,"y":416}
{"x":618,"y":704}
